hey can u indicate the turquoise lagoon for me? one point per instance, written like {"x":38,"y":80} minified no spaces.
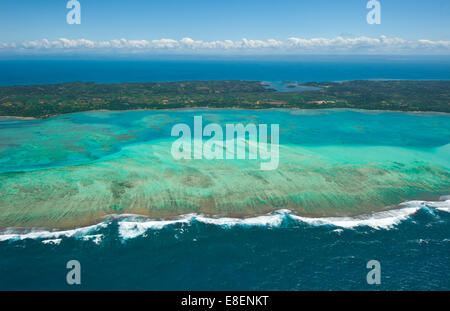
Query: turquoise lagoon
{"x":71,"y":170}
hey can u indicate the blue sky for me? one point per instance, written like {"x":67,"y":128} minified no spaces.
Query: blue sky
{"x":212,"y":20}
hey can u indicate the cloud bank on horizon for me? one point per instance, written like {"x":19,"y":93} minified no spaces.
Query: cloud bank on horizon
{"x":290,"y":46}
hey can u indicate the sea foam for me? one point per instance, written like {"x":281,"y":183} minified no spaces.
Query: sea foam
{"x":131,"y":226}
{"x":50,"y":236}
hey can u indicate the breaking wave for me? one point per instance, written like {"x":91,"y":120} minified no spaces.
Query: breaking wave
{"x":54,"y":237}
{"x":131,"y":226}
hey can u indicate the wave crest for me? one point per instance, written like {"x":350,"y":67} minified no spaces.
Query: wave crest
{"x":131,"y":226}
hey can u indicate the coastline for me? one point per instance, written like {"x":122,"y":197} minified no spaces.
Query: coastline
{"x":19,"y":117}
{"x":416,"y":96}
{"x":227,"y":108}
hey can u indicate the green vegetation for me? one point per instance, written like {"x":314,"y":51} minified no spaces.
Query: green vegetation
{"x":42,"y":101}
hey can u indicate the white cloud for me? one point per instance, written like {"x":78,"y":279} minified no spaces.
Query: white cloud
{"x":358,"y":45}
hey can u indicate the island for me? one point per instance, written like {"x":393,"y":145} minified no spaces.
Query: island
{"x":42,"y":101}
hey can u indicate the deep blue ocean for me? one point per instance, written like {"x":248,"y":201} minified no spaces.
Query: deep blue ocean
{"x":414,"y":255}
{"x":285,"y":253}
{"x":310,"y":68}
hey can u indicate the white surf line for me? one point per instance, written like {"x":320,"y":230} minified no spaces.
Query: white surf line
{"x":13,"y":234}
{"x":132,"y":225}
